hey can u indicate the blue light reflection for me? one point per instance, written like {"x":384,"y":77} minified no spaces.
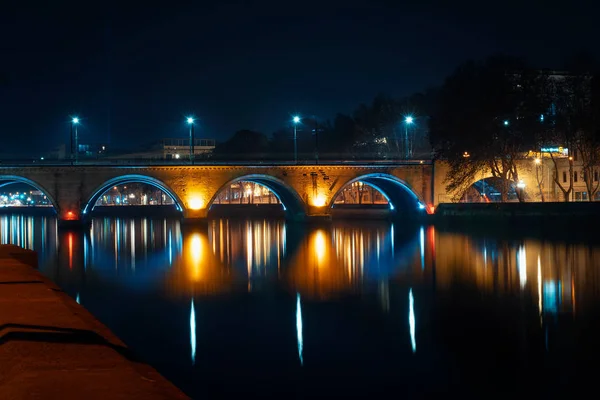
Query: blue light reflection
{"x":299,"y":328}
{"x":193,"y":332}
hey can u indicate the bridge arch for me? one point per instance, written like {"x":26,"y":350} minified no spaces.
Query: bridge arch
{"x":11,"y":179}
{"x":401,"y":197}
{"x":125,"y":179}
{"x":488,"y":189}
{"x":288,"y":197}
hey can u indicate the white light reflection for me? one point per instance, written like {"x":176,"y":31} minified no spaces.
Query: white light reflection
{"x":522,"y":265}
{"x":193,"y":332}
{"x":77,"y":299}
{"x":422,"y":239}
{"x":485,"y":256}
{"x":170,"y":248}
{"x":392,"y":237}
{"x":411,"y":320}
{"x":132,"y":240}
{"x":299,"y":328}
{"x":539,"y":278}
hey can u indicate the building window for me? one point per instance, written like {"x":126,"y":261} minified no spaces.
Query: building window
{"x":585,"y":176}
{"x":575,"y":176}
{"x":564,"y":176}
{"x":575,"y":155}
{"x":595,"y":176}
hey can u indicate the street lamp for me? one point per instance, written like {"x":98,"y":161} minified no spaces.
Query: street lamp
{"x":190,"y":122}
{"x":296,"y":121}
{"x":505,"y":122}
{"x":74,"y":138}
{"x":407,"y":121}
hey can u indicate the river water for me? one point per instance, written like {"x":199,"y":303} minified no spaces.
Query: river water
{"x":266,"y":308}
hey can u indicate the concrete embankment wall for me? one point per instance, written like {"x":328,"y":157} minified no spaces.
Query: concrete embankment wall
{"x":540,"y":215}
{"x":52,"y":348}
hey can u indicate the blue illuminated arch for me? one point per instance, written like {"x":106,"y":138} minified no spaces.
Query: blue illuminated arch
{"x":287,"y":196}
{"x":124,"y":179}
{"x":12,"y":179}
{"x":398,"y":193}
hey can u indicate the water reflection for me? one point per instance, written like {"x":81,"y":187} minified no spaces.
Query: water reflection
{"x":193,"y":332}
{"x":411,"y":320}
{"x":323,"y":262}
{"x":299,"y":337}
{"x":348,"y":295}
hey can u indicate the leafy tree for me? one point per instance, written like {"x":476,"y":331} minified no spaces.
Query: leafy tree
{"x":486,"y":117}
{"x":574,"y":123}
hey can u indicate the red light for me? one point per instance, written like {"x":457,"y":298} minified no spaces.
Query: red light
{"x":431,"y":209}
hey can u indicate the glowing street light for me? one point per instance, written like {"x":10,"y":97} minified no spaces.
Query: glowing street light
{"x":521,"y":184}
{"x":408,"y":120}
{"x":537,"y":161}
{"x":505,"y":122}
{"x":74,"y":139}
{"x":190,"y":122}
{"x":296,"y":120}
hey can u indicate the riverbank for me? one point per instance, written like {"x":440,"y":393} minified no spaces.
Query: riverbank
{"x":51,"y":347}
{"x":539,"y":216}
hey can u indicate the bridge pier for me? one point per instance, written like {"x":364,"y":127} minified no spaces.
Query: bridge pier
{"x":317,"y":214}
{"x":74,"y":224}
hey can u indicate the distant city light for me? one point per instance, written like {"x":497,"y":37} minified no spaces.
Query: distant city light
{"x":408,"y":120}
{"x":42,"y":158}
{"x":75,"y":120}
{"x":296,"y":119}
{"x":177,"y":156}
{"x":542,"y":118}
{"x":190,"y":120}
{"x":505,"y":122}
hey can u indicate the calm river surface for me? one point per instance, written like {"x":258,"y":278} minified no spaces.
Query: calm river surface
{"x":265,"y":308}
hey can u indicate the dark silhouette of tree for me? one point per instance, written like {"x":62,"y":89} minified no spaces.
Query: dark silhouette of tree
{"x":486,"y":117}
{"x":574,"y":122}
{"x":244,"y":145}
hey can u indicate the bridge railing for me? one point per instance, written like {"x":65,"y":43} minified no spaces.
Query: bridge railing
{"x":180,"y":162}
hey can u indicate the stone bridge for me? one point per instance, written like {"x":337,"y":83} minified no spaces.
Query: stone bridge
{"x":306,"y":191}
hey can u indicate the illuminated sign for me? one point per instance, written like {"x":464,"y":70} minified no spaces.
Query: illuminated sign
{"x":560,"y":150}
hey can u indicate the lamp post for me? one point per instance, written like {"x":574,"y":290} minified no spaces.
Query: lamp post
{"x":74,"y":139}
{"x":316,"y":140}
{"x":296,"y":121}
{"x":407,"y":121}
{"x":190,"y":122}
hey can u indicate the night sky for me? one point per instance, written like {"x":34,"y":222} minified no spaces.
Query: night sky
{"x":132,"y":73}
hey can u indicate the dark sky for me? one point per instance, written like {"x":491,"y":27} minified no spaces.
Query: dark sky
{"x":133,"y":72}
